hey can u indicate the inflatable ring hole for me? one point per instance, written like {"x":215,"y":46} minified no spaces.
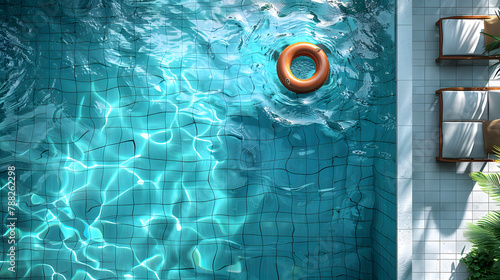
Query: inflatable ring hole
{"x":303,"y":67}
{"x":289,"y":80}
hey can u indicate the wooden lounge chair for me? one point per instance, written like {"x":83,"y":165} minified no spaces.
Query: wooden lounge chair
{"x":461,"y":115}
{"x":460,"y":37}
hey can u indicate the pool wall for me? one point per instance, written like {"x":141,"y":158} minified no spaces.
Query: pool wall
{"x":385,"y":208}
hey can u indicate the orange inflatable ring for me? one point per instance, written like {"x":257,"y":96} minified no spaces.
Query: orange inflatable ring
{"x":303,"y":49}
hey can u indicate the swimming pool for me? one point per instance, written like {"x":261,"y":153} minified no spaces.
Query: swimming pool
{"x":153,"y":140}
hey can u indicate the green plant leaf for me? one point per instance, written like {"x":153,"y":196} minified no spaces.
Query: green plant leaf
{"x":490,"y":183}
{"x":492,"y":46}
{"x":494,"y":37}
{"x":496,"y":149}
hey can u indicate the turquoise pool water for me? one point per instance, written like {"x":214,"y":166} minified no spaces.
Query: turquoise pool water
{"x":153,"y":140}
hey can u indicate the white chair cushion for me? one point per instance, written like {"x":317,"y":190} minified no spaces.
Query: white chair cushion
{"x":463,"y":140}
{"x":465,"y":106}
{"x":463,"y":36}
{"x":494,"y":104}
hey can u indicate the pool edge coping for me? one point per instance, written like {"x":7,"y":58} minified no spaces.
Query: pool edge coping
{"x":404,"y":65}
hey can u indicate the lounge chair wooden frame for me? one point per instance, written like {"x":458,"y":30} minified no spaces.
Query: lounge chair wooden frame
{"x":440,"y":92}
{"x":455,"y":57}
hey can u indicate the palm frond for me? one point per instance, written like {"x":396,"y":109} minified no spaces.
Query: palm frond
{"x":495,"y":271}
{"x":496,"y":149}
{"x":491,"y":222}
{"x":496,"y":268}
{"x":481,"y":237}
{"x":490,"y":183}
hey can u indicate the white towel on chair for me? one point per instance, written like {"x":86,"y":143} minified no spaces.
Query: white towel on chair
{"x":465,"y":106}
{"x":463,"y":36}
{"x":463,"y":140}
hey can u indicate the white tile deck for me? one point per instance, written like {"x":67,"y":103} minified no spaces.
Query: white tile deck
{"x":445,"y":199}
